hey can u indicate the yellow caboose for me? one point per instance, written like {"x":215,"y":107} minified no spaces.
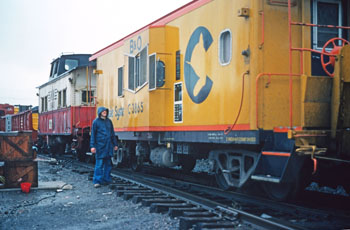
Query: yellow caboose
{"x":250,"y":85}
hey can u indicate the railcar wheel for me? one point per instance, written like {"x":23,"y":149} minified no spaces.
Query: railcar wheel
{"x":299,"y":180}
{"x":136,"y":163}
{"x":232,"y":168}
{"x":118,"y":158}
{"x":280,"y":191}
{"x":347,"y":188}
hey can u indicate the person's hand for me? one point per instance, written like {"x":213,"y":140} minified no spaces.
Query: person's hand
{"x":93,"y":150}
{"x":115,"y":148}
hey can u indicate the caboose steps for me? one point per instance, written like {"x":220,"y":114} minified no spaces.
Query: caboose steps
{"x":266,"y":169}
{"x":274,"y":158}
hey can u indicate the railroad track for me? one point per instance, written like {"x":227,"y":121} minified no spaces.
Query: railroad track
{"x":202,"y":207}
{"x":193,"y":209}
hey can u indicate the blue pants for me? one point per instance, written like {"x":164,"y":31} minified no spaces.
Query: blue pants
{"x":102,"y":173}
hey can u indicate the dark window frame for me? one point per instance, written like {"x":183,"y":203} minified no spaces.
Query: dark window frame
{"x":225,"y":53}
{"x":90,"y":95}
{"x":137,"y":70}
{"x":315,"y":30}
{"x":64,"y":98}
{"x":152,"y":71}
{"x":120,"y":81}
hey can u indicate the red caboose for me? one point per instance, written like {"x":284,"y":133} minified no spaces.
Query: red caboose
{"x":67,"y":105}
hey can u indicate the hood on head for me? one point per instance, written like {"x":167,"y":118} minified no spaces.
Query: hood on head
{"x":101,"y":109}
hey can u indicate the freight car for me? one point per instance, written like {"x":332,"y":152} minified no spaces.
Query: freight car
{"x":258,"y":87}
{"x":6,"y":109}
{"x":67,"y":105}
{"x":26,"y":120}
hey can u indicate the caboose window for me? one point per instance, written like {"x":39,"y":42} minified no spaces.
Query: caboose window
{"x":138,"y":70}
{"x":42,"y":104}
{"x":70,"y":64}
{"x":131,"y":84}
{"x":87,"y":96}
{"x":45,"y":104}
{"x":120,"y":81}
{"x":152,"y":71}
{"x":54,"y":67}
{"x":225,"y":47}
{"x":64,"y":99}
{"x":156,"y":72}
{"x":160,"y":73}
{"x":59,"y":99}
{"x":326,"y":13}
{"x":143,"y":67}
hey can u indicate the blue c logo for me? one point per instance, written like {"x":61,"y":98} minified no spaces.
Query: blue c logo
{"x":191,"y":78}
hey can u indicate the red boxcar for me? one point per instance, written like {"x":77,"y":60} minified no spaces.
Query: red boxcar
{"x":6,"y":109}
{"x":63,"y":121}
{"x":26,"y":121}
{"x":23,"y":121}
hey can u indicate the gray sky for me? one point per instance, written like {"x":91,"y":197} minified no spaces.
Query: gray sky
{"x":34,"y":32}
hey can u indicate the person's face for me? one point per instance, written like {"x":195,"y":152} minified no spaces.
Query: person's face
{"x":104,"y":113}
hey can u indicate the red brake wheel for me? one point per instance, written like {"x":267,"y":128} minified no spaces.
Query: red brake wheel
{"x":335,"y":50}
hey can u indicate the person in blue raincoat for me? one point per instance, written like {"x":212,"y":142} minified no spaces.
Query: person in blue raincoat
{"x":102,"y":144}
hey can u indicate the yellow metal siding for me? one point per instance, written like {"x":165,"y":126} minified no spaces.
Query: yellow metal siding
{"x":221,"y":106}
{"x":273,"y":104}
{"x":35,"y":120}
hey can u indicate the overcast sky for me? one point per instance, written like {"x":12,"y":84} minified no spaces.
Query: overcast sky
{"x":34,"y":32}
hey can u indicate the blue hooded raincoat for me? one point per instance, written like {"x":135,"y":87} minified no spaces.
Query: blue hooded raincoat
{"x":102,"y":135}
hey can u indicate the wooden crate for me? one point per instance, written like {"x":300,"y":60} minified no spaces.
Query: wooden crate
{"x":16,"y":172}
{"x":16,"y":146}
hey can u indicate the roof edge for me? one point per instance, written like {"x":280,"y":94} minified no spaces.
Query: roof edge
{"x":159,"y":22}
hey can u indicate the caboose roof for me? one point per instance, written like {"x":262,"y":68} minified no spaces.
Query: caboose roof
{"x":83,"y":62}
{"x":159,"y":22}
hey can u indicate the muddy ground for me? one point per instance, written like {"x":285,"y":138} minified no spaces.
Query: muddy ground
{"x":81,"y":207}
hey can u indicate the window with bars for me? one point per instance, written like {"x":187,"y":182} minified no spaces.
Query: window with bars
{"x":326,"y":13}
{"x":87,"y":96}
{"x":137,"y":70}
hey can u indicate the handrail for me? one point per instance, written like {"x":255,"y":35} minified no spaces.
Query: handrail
{"x":301,"y":50}
{"x":315,"y":25}
{"x":290,"y":66}
{"x":291,"y":49}
{"x":314,"y":51}
{"x":261,"y":12}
